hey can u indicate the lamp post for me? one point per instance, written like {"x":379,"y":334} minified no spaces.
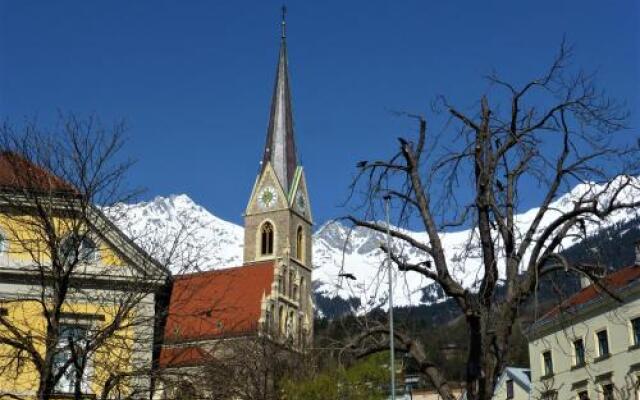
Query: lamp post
{"x":392,"y":358}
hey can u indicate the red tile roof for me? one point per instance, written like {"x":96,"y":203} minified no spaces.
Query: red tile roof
{"x":181,"y":356}
{"x":614,"y":282}
{"x":224,"y":302}
{"x":16,"y":172}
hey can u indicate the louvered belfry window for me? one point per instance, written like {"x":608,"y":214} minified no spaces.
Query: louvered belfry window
{"x":266,"y":239}
{"x":299,"y":244}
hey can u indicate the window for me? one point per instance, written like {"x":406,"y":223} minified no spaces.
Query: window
{"x":3,"y":242}
{"x":88,"y":250}
{"x":268,"y":319}
{"x":603,"y":343}
{"x":607,"y":391}
{"x":547,"y":363}
{"x":299,"y":244}
{"x":289,"y":327}
{"x":283,"y":320}
{"x":291,"y":283}
{"x":74,"y":249}
{"x":283,"y":282}
{"x":71,"y":342}
{"x":300,"y":332}
{"x":266,"y":239}
{"x":635,"y":331}
{"x":578,"y":350}
{"x":301,"y":292}
{"x":510,"y":389}
{"x":583,"y":395}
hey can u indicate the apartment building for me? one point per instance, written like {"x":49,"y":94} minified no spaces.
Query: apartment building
{"x":589,"y":346}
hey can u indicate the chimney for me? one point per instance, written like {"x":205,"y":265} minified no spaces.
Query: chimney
{"x":637,"y":250}
{"x":584,"y":281}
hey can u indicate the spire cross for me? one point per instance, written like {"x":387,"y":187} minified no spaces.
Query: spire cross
{"x":284,"y":21}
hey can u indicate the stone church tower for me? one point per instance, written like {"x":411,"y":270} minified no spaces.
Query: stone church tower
{"x":269,"y":295}
{"x":278,"y":218}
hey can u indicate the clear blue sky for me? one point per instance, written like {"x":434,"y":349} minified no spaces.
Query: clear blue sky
{"x":194,"y":79}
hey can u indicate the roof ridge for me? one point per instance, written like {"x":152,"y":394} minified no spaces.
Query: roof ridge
{"x":219,"y":270}
{"x":608,"y":280}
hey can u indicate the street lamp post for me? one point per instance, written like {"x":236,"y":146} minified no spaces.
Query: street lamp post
{"x":392,"y":357}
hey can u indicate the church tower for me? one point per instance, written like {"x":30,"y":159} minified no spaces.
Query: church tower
{"x":278,"y":218}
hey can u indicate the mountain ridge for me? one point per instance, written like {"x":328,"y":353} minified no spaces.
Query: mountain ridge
{"x":215,"y":243}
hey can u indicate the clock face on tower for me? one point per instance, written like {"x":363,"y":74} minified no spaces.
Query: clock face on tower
{"x":301,"y":203}
{"x":267,"y":197}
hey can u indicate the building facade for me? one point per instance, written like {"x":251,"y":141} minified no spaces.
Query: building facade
{"x":77,"y":297}
{"x":589,"y":347}
{"x":513,"y":384}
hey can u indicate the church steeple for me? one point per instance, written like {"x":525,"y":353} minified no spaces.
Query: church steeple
{"x":278,"y":221}
{"x":278,"y":216}
{"x":280,"y":149}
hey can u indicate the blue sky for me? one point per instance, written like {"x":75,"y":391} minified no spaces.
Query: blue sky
{"x":193,"y":79}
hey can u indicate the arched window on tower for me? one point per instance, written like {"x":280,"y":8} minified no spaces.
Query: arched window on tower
{"x":299,"y":244}
{"x":266,"y":239}
{"x":283,"y":321}
{"x":282,"y":281}
{"x":269,"y":319}
{"x":292,"y":281}
{"x":300,"y":332}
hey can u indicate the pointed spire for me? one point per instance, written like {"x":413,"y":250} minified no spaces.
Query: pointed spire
{"x":280,"y":148}
{"x":284,"y":22}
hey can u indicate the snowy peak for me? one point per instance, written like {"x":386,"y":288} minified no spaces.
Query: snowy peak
{"x":187,"y":237}
{"x":181,"y":233}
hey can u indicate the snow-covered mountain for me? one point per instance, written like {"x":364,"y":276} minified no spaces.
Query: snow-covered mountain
{"x":180,"y":233}
{"x":175,"y":228}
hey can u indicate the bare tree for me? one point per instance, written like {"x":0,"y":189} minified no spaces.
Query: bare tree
{"x":550,"y":133}
{"x":250,"y":369}
{"x":80,"y":312}
{"x":241,"y":367}
{"x":215,"y":348}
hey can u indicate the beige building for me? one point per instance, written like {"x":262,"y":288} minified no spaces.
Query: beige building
{"x":589,"y":347}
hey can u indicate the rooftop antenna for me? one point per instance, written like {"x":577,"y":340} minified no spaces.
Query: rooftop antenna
{"x":284,"y":22}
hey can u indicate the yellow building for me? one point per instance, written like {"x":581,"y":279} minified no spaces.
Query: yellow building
{"x":589,"y":347}
{"x":77,"y":297}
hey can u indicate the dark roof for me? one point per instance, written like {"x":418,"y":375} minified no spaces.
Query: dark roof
{"x":218,"y":303}
{"x":613,"y":283}
{"x":19,"y":173}
{"x":280,"y":148}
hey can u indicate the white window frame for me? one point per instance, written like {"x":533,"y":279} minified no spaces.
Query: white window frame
{"x":64,"y":380}
{"x":632,"y":336}
{"x":581,"y":390}
{"x":601,"y":391}
{"x":546,"y":373}
{"x":88,"y":321}
{"x":4,"y":241}
{"x":575,"y":355}
{"x":597,"y":342}
{"x":93,"y":259}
